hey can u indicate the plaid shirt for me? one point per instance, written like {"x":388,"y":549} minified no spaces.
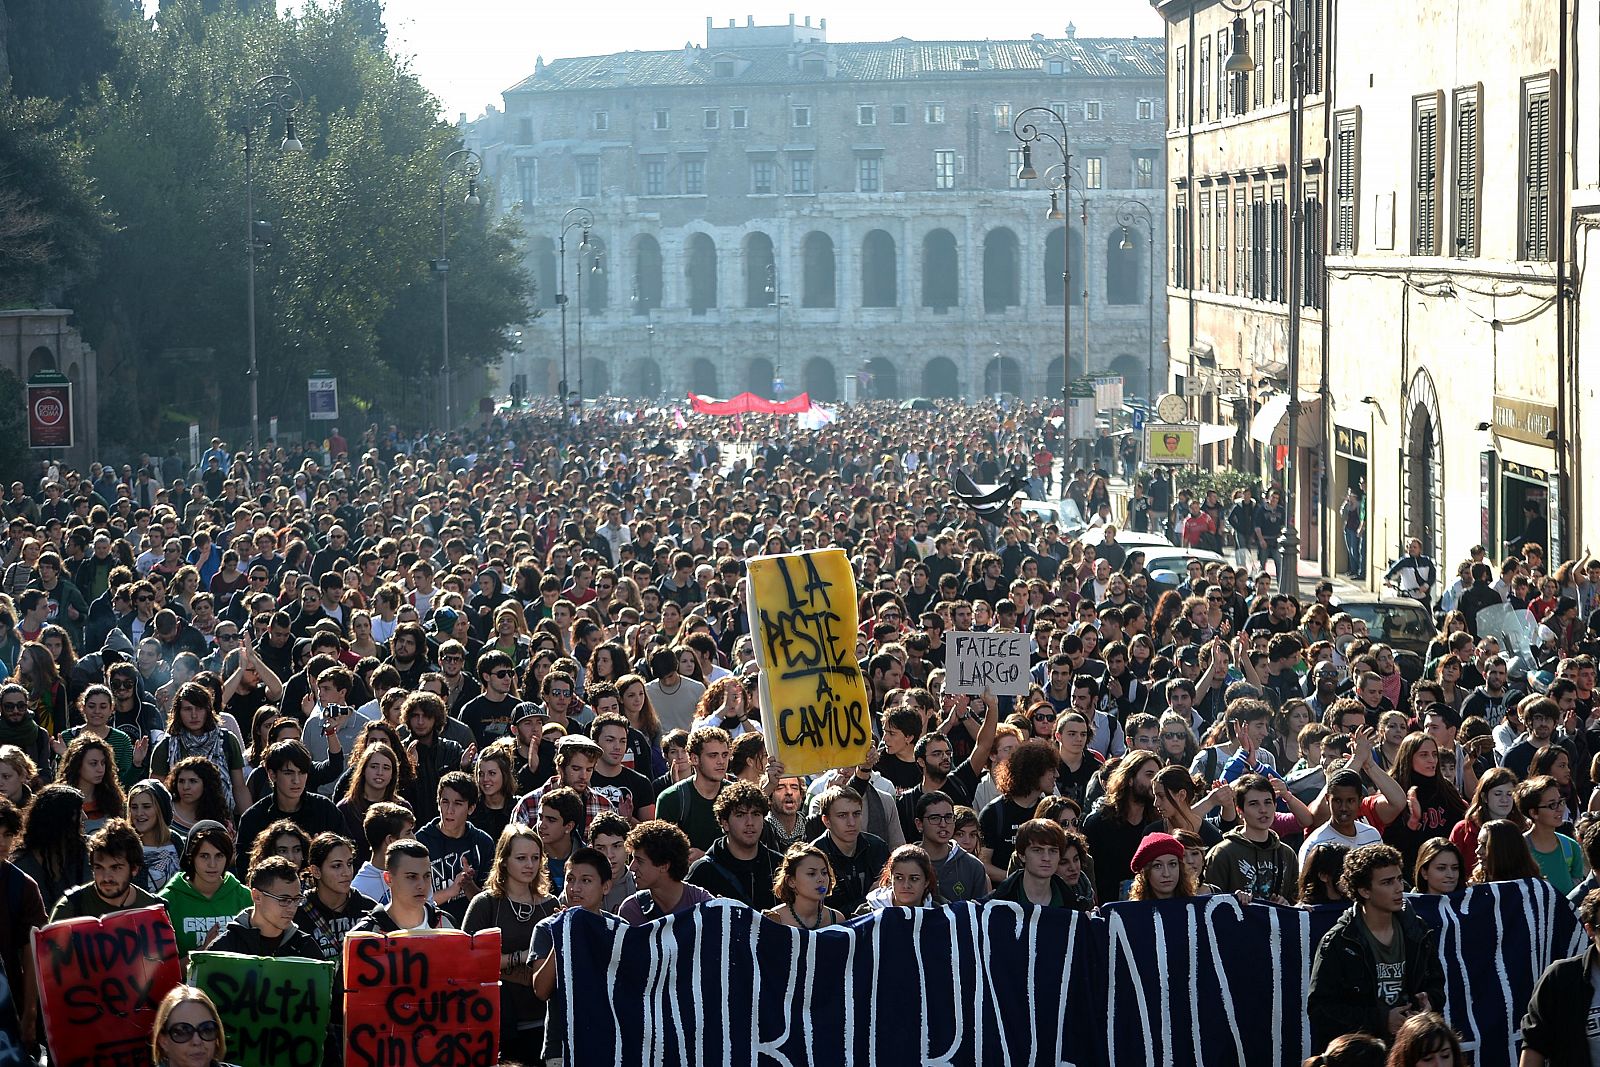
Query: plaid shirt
{"x":527,"y":811}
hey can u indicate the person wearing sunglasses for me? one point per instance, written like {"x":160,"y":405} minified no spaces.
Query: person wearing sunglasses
{"x":188,"y":1030}
{"x":267,"y":927}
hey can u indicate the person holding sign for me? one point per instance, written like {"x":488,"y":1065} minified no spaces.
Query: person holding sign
{"x":267,"y":927}
{"x":115,"y":857}
{"x":588,"y":883}
{"x":188,"y":1031}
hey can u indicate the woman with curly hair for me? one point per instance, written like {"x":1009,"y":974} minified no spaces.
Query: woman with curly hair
{"x":1027,"y":774}
{"x":90,"y":766}
{"x":197,"y":794}
{"x":51,"y":849}
{"x":1158,"y":870}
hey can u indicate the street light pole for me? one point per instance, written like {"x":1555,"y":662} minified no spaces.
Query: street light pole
{"x":594,"y":268}
{"x":275,"y":94}
{"x":1239,"y":61}
{"x":575,"y":217}
{"x":467,"y":162}
{"x":1030,"y":133}
{"x":776,"y":300}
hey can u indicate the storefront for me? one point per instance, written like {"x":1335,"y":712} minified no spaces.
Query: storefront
{"x":1351,"y":452}
{"x":1519,"y":492}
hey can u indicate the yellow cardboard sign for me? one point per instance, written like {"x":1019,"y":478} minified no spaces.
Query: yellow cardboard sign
{"x":813,"y":697}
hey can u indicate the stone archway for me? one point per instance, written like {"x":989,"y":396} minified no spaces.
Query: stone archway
{"x":941,"y":380}
{"x":1422,"y":494}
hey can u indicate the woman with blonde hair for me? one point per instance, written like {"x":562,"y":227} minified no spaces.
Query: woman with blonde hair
{"x":188,"y":1031}
{"x":514,"y":900}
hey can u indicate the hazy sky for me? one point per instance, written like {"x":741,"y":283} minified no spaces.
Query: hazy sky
{"x":468,"y":51}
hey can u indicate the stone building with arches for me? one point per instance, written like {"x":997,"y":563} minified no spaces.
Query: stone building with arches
{"x":36,"y":340}
{"x":775,"y":212}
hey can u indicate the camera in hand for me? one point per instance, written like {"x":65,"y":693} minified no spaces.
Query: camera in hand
{"x":332,"y":716}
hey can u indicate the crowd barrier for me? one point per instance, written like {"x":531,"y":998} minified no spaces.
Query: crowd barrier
{"x":1202,"y":982}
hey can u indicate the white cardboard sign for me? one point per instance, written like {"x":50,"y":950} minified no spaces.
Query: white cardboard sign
{"x":976,"y":661}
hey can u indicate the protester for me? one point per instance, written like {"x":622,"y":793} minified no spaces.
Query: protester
{"x":268,"y":927}
{"x":1552,"y":1033}
{"x":804,"y":880}
{"x":515,"y":900}
{"x":660,"y":862}
{"x":115,"y":858}
{"x":205,"y":895}
{"x":188,"y":1031}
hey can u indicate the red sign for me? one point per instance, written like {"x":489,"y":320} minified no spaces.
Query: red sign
{"x":100,"y":983}
{"x":422,"y":999}
{"x":50,"y":415}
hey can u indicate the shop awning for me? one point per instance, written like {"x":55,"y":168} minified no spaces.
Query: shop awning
{"x":1211,"y":434}
{"x":1271,"y":428}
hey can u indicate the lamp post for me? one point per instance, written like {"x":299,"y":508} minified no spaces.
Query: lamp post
{"x":584,"y":249}
{"x":641,"y":308}
{"x":1130,"y":213}
{"x":775,"y":299}
{"x":1026,"y":128}
{"x":467,"y":162}
{"x":1239,"y":61}
{"x":579,"y":218}
{"x":275,"y":94}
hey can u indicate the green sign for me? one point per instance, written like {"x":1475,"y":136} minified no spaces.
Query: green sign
{"x":274,"y":1011}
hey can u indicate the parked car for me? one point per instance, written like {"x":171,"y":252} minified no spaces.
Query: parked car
{"x":1398,"y":621}
{"x":1126,"y":538}
{"x":1167,"y":565}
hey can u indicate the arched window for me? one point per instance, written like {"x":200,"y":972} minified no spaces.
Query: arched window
{"x":703,"y":377}
{"x":700,"y":268}
{"x":646,"y":274}
{"x":1002,"y":284}
{"x":941,"y":271}
{"x":880,"y":286}
{"x":822,"y":382}
{"x":940,"y":379}
{"x":1122,"y":269}
{"x":760,"y":283}
{"x":1052,"y":268}
{"x":542,"y":266}
{"x":816,"y":252}
{"x":882,"y":380}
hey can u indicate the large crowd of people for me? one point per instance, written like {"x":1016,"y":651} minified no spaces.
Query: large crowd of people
{"x":469,"y":681}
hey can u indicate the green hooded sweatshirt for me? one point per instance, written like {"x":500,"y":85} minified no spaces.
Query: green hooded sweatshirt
{"x":194,"y":916}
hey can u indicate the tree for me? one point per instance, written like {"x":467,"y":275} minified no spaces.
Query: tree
{"x":58,"y":49}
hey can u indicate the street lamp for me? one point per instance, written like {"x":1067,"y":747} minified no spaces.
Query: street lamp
{"x":1130,"y":213}
{"x":775,"y":300}
{"x":1029,"y":133}
{"x":641,"y":308}
{"x":275,"y":94}
{"x":580,"y":218}
{"x":1240,"y":61}
{"x":467,"y":162}
{"x":595,"y":269}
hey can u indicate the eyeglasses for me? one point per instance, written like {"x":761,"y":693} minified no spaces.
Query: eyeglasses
{"x":122,"y":683}
{"x":183,"y":1033}
{"x":1554,"y":805}
{"x":13,"y":705}
{"x":560,"y":692}
{"x":947,"y":817}
{"x":285,"y":899}
{"x":144,"y":598}
{"x":1174,"y":737}
{"x":503,"y":672}
{"x":1042,"y":716}
{"x":227,"y":637}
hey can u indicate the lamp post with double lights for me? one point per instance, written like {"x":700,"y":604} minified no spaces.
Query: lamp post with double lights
{"x":1240,"y":62}
{"x":1130,"y":213}
{"x":272,"y":95}
{"x":775,"y":299}
{"x":1027,"y":128}
{"x":466,"y":162}
{"x":575,"y":218}
{"x":585,"y":250}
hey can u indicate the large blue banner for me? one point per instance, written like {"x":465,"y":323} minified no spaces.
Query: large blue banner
{"x":1202,"y":982}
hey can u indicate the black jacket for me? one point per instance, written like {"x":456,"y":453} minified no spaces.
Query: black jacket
{"x":747,"y":882}
{"x":1473,"y":599}
{"x":1011,"y":889}
{"x":1344,"y":979}
{"x":1554,"y":1022}
{"x":242,"y":937}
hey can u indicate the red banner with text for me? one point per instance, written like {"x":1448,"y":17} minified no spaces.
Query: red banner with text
{"x":747,"y":402}
{"x":422,"y":999}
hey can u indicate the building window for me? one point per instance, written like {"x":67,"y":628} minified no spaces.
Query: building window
{"x":1222,"y":241}
{"x":801,"y":116}
{"x":1013,"y":165}
{"x":1055,"y":66}
{"x":1257,"y":263}
{"x":1093,"y":172}
{"x":1180,"y":241}
{"x":762,"y":173}
{"x":1277,"y":246}
{"x":1144,"y":171}
{"x":1279,"y":37}
{"x":1259,"y":95}
{"x":524,"y":131}
{"x":1205,"y":240}
{"x":1224,"y":105}
{"x":800,"y":177}
{"x":944,"y":169}
{"x":1002,"y":118}
{"x":738,"y":117}
{"x":1312,"y":222}
{"x":969,"y":64}
{"x":1241,"y":234}
{"x":710,"y":118}
{"x":694,"y":177}
{"x":1147,"y":110}
{"x":1467,"y":153}
{"x":933,"y":114}
{"x":866,"y":114}
{"x":869,"y":174}
{"x":900,"y":114}
{"x":1205,"y":81}
{"x":813,"y":66}
{"x":722,"y":68}
{"x":1538,"y":170}
{"x":528,"y":180}
{"x":655,"y":177}
{"x":602,"y":121}
{"x":1180,"y":88}
{"x":663,"y":119}
{"x":1427,"y":174}
{"x":589,"y":178}
{"x":1346,"y":155}
{"x":1091,"y":111}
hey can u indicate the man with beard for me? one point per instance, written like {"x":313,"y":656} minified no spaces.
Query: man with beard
{"x":1116,"y":827}
{"x":940,"y":774}
{"x":1494,"y":697}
